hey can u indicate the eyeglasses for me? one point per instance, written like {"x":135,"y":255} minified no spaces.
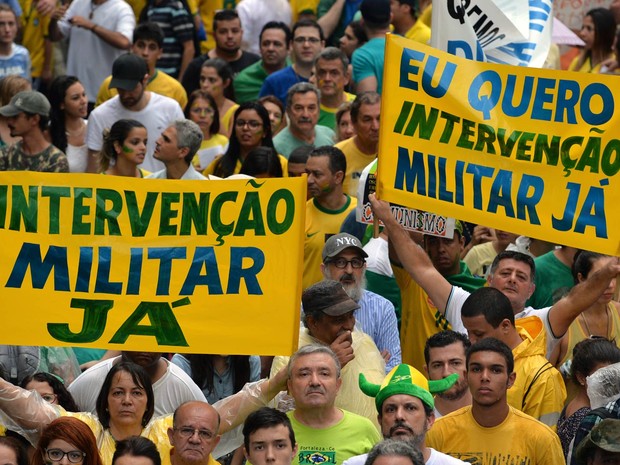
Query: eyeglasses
{"x":56,"y":455}
{"x":342,"y":262}
{"x":252,"y":124}
{"x":50,"y":398}
{"x":303,"y":40}
{"x":187,"y":433}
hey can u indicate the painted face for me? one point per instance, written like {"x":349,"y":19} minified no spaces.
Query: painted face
{"x":149,"y":50}
{"x":44,"y":390}
{"x":367,"y":123}
{"x":314,"y":381}
{"x":345,"y":129}
{"x":58,"y":447}
{"x":211,"y":82}
{"x":76,"y":102}
{"x":194,"y":435}
{"x":444,"y":361}
{"x":514,"y":279}
{"x":352,"y":279}
{"x":444,"y":253}
{"x":321,"y":181}
{"x":348,"y":42}
{"x":126,"y":400}
{"x":249,"y":129}
{"x":488,"y":378}
{"x":275,"y":116}
{"x":8,"y":27}
{"x":202,"y":113}
{"x":307,"y":44}
{"x":134,"y":146}
{"x":303,"y":112}
{"x":403,"y":416}
{"x":271,"y":446}
{"x":228,"y":35}
{"x":331,"y":77}
{"x":273,"y":48}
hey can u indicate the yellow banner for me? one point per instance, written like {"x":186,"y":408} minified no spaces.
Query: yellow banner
{"x":153,"y":265}
{"x":525,"y":150}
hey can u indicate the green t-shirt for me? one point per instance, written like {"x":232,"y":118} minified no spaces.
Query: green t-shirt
{"x":553,"y":280}
{"x":351,"y":436}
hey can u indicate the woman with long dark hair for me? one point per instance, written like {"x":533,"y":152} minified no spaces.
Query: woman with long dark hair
{"x":216,"y":79}
{"x":67,"y":120}
{"x":597,"y":31}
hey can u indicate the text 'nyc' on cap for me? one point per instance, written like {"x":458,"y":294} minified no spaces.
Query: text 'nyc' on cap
{"x":128,"y":71}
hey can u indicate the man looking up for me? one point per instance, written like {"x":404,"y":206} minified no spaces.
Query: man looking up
{"x":327,"y":208}
{"x":176,"y":148}
{"x":444,"y":354}
{"x":308,"y":41}
{"x":344,"y":261}
{"x":275,"y":40}
{"x":302,"y":109}
{"x":490,"y":430}
{"x":328,"y":319}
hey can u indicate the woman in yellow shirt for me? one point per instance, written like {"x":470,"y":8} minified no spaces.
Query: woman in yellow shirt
{"x":597,"y":31}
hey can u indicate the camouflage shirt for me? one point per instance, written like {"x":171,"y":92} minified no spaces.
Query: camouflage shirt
{"x":13,"y":158}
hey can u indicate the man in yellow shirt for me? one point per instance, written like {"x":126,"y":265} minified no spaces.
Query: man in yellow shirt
{"x":148,"y":42}
{"x":406,"y":21}
{"x":362,"y":148}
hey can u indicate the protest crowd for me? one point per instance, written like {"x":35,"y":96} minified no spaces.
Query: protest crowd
{"x":486,"y":347}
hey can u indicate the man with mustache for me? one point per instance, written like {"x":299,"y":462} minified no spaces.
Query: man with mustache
{"x":405,"y":405}
{"x":302,"y":109}
{"x":328,"y":320}
{"x":325,"y":433}
{"x":344,"y":261}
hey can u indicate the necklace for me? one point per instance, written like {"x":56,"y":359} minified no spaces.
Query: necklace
{"x":77,"y":133}
{"x":93,"y":7}
{"x":591,"y":335}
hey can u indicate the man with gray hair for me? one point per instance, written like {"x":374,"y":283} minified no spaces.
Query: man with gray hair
{"x":385,"y":452}
{"x":302,"y":109}
{"x":323,"y":431}
{"x":328,"y":320}
{"x":176,"y":148}
{"x":331,"y":73}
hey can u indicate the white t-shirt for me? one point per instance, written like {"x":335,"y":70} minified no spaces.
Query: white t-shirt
{"x":156,"y":116}
{"x":170,"y":391}
{"x":254,"y":14}
{"x":436,"y":458}
{"x":190,"y":175}
{"x":89,"y":57}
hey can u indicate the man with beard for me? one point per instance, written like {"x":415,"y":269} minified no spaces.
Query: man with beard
{"x":444,"y":354}
{"x":171,"y":385}
{"x":328,"y":320}
{"x":156,"y":112}
{"x":302,"y":109}
{"x":344,"y":261}
{"x":405,"y":404}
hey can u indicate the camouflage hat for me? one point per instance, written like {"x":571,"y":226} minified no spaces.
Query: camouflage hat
{"x":605,"y":435}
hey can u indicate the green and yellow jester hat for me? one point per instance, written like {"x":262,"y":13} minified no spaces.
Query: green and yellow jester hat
{"x":404,"y":379}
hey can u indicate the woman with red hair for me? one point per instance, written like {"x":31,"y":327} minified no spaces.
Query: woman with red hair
{"x":70,"y":437}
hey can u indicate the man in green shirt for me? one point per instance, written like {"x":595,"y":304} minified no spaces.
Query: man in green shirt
{"x":275,"y":40}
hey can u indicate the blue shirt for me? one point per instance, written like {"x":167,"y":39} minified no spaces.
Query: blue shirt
{"x":280,"y":82}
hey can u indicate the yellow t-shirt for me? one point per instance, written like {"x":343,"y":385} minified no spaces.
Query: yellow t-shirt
{"x":303,"y":6}
{"x":210,"y":149}
{"x":161,"y":84}
{"x":419,"y":32}
{"x":226,"y":120}
{"x":356,"y":162}
{"x":35,"y":30}
{"x":321,"y":224}
{"x":518,"y":439}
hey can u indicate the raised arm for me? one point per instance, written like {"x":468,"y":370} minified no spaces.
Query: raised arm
{"x":25,"y":409}
{"x":582,"y":296}
{"x":412,"y":257}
